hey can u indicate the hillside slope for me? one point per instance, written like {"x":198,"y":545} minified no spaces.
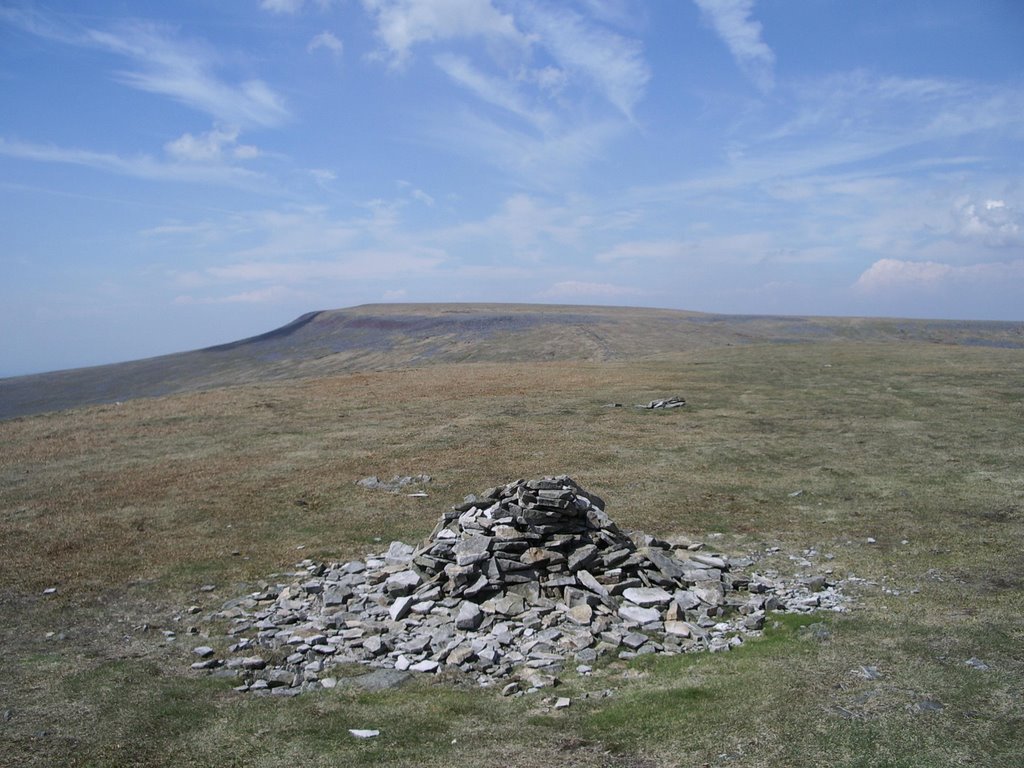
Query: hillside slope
{"x":383,"y":337}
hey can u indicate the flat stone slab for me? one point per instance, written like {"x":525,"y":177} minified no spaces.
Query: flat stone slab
{"x":378,"y":680}
{"x":647,"y":596}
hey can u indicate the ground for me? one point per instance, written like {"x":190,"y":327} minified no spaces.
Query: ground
{"x":896,"y":463}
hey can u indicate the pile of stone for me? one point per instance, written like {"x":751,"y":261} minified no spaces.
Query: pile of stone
{"x":668,"y":402}
{"x":509,"y":588}
{"x":395,"y":484}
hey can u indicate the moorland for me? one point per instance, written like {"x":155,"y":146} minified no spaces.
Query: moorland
{"x":886,"y":451}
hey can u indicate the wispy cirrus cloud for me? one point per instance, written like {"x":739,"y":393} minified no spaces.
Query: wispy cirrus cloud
{"x":644,"y":250}
{"x":402,"y":24}
{"x":183,"y":70}
{"x":498,"y":91}
{"x":541,"y":63}
{"x":573,"y":290}
{"x":291,"y":6}
{"x":731,"y":21}
{"x":165,"y":64}
{"x":139,"y":166}
{"x":273,"y":294}
{"x":610,"y":62}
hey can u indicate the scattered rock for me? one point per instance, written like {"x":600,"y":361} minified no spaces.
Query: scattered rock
{"x":511,"y":585}
{"x":361,"y":733}
{"x":668,"y":402}
{"x":977,"y":663}
{"x":395,"y":484}
{"x":869,"y":673}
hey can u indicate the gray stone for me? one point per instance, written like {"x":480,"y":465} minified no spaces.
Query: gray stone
{"x":378,"y":680}
{"x":401,"y":607}
{"x":472,"y":549}
{"x":469,"y":617}
{"x":399,"y":554}
{"x":588,"y":581}
{"x":667,"y":565}
{"x":647,"y":596}
{"x":638,"y":615}
{"x":710,"y":592}
{"x":710,"y":560}
{"x":582,"y":557}
{"x":634,"y":640}
{"x":678,"y":628}
{"x":402,"y":583}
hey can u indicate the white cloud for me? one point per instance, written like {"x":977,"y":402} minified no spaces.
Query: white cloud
{"x":579,"y":289}
{"x":168,"y":66}
{"x":401,"y":24}
{"x":139,"y":166}
{"x":290,"y":6}
{"x":423,"y":197}
{"x":210,"y":146}
{"x":731,"y":20}
{"x":644,"y":249}
{"x":525,"y":228}
{"x":396,"y":294}
{"x":896,"y":274}
{"x":271,"y":295}
{"x":328,"y":41}
{"x":991,"y":222}
{"x":497,"y":91}
{"x":182,"y":70}
{"x":282,"y":6}
{"x":322,"y":176}
{"x":544,"y":160}
{"x":612,"y":63}
{"x":365,"y":264}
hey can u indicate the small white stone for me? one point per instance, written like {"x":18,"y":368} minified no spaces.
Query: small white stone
{"x":361,"y":733}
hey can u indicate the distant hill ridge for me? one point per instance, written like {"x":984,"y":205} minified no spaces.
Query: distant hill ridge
{"x":389,"y":336}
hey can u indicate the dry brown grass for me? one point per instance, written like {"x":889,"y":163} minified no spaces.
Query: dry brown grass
{"x":129,"y":509}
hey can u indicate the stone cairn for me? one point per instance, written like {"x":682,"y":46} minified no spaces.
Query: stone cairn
{"x":509,"y":587}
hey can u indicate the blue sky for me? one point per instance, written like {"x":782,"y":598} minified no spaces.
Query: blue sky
{"x":179,"y":174}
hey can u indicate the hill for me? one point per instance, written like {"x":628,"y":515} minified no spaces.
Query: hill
{"x":387,"y":337}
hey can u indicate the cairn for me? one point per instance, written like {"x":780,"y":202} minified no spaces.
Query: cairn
{"x":512,"y":584}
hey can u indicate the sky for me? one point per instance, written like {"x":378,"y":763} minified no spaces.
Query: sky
{"x":180,"y":174}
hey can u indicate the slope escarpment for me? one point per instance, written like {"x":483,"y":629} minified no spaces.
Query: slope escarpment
{"x":384,"y":337}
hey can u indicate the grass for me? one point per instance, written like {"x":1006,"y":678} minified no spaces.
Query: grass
{"x":128,"y":510}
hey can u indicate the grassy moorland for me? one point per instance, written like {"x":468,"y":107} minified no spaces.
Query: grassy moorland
{"x":128,"y":510}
